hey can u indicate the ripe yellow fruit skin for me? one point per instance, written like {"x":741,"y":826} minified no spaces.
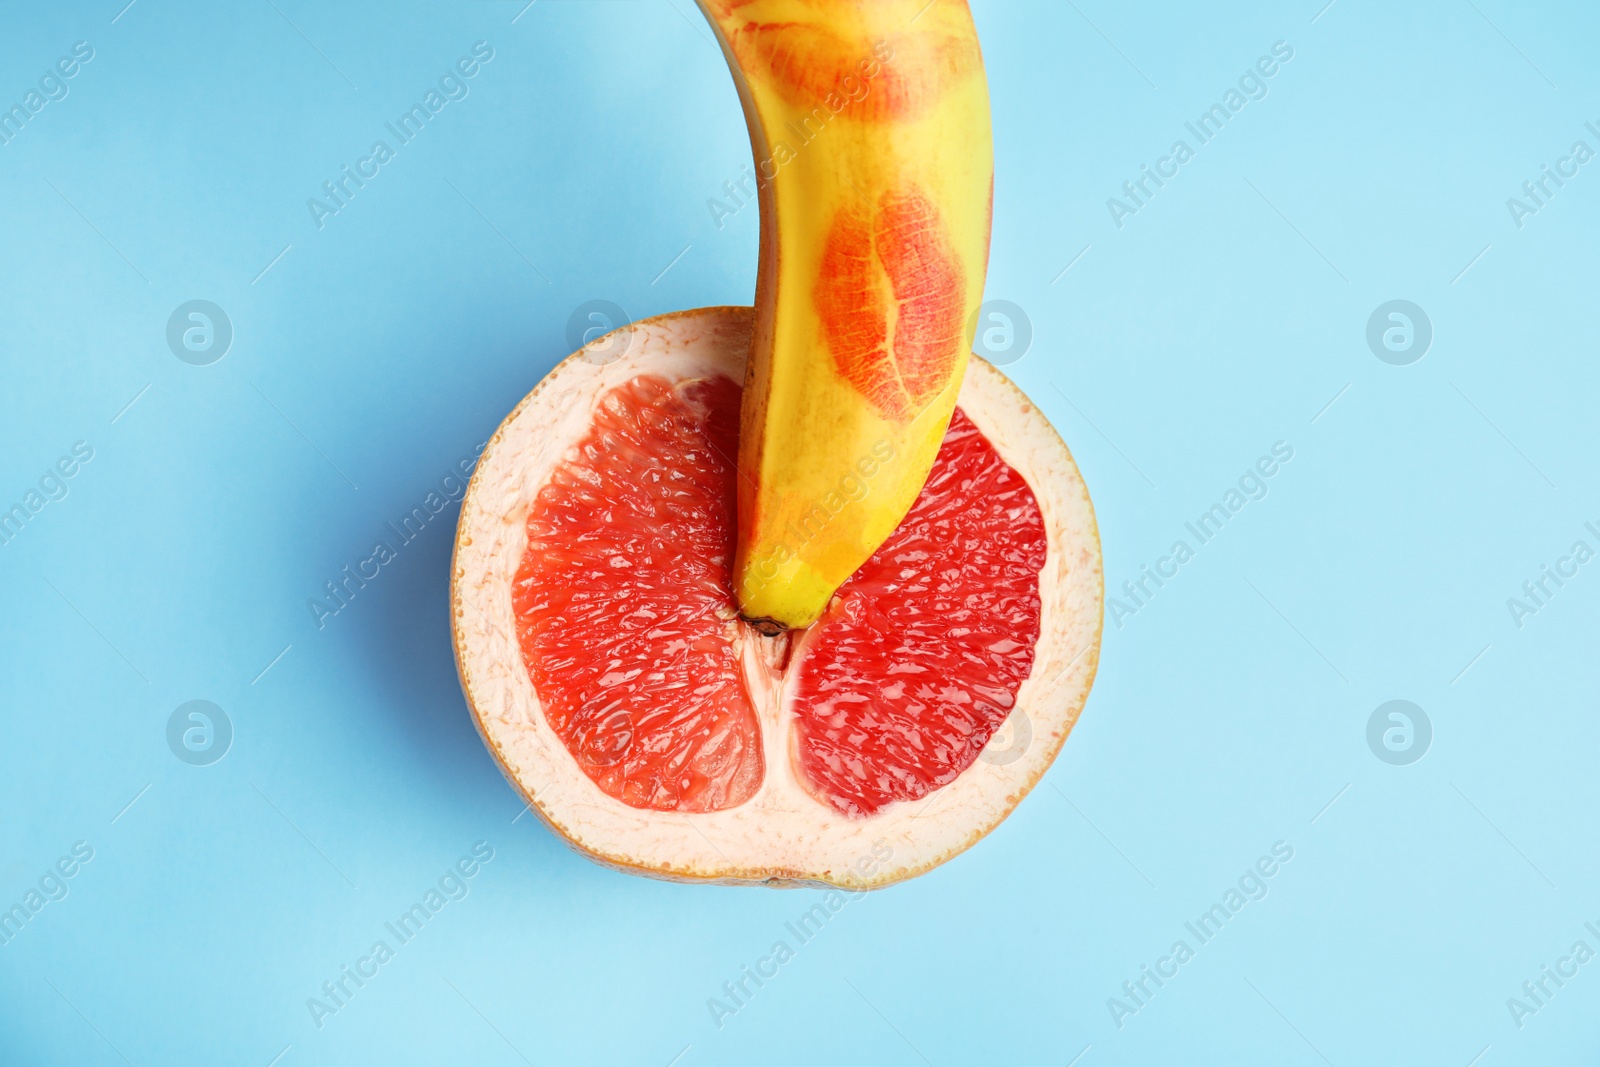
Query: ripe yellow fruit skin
{"x":869,"y":121}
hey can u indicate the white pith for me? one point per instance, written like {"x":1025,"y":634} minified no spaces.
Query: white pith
{"x":783,"y":835}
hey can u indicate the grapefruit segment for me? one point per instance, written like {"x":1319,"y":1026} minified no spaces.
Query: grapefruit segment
{"x":622,"y":600}
{"x":919,"y":658}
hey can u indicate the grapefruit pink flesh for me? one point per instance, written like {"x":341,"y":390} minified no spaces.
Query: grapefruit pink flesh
{"x":918,"y":659}
{"x":622,"y":600}
{"x":629,"y":627}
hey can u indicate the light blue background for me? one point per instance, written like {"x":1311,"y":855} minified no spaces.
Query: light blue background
{"x":378,"y":350}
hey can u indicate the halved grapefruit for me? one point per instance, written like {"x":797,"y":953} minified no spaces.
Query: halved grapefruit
{"x":607,"y":665}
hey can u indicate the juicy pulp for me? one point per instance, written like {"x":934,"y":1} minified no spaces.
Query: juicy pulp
{"x":628,"y":624}
{"x":622,"y":601}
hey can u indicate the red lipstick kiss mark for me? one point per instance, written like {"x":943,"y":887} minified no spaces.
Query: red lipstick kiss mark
{"x":815,"y":65}
{"x":890,"y":296}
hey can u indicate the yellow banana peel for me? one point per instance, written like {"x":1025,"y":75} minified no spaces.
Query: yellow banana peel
{"x":870,"y":125}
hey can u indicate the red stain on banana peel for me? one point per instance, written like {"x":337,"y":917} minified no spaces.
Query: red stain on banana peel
{"x":814,"y":65}
{"x":890,"y":295}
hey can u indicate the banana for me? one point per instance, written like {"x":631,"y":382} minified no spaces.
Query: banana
{"x":869,"y":121}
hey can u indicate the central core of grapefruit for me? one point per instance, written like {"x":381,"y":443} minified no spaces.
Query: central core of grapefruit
{"x":629,"y":629}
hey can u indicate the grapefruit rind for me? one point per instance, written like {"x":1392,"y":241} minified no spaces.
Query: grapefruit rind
{"x":782,"y":836}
